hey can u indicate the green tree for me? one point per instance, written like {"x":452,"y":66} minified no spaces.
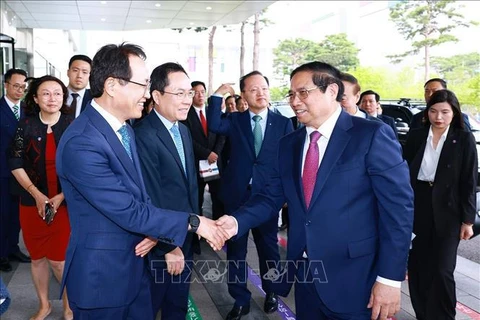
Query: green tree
{"x":458,"y":68}
{"x":338,"y":51}
{"x":334,"y":49}
{"x":426,"y":23}
{"x":290,"y":54}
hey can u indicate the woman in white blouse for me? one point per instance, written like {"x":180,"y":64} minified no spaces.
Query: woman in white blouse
{"x":443,"y":172}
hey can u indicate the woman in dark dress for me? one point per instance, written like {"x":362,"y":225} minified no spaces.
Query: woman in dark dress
{"x":443,"y":171}
{"x":32,"y":161}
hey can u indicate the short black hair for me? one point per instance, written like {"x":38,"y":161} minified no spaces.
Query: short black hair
{"x":8,"y":75}
{"x":159,"y":77}
{"x":368,"y":92}
{"x":80,"y":57}
{"x":442,"y":82}
{"x":231,"y":97}
{"x":31,"y":106}
{"x":248,"y":75}
{"x":323,"y":75}
{"x":198,"y":83}
{"x":450,"y":98}
{"x":112,"y":60}
{"x":347,"y":77}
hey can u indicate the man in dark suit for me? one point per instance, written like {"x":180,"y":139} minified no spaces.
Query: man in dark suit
{"x":11,"y":110}
{"x":254,"y":137}
{"x":430,"y":87}
{"x":171,"y":182}
{"x":113,"y":223}
{"x":206,"y":146}
{"x":78,"y":73}
{"x":369,"y":102}
{"x":350,"y":201}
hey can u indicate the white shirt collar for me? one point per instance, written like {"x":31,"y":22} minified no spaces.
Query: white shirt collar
{"x":262,"y":114}
{"x":11,"y":103}
{"x":110,"y":118}
{"x":167,"y":123}
{"x":327,"y":127}
{"x":81,"y":93}
{"x":443,"y":136}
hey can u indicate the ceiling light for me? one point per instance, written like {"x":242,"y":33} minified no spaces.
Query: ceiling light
{"x":103,"y":19}
{"x":149,"y":21}
{"x":191,"y":23}
{"x":158,"y":5}
{"x":103,"y":2}
{"x":208,"y":8}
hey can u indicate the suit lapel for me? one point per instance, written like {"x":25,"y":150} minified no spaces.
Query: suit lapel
{"x":8,"y":112}
{"x":336,"y":145}
{"x":164,"y":135}
{"x":448,"y":149}
{"x":298,"y":144}
{"x":246,"y":127}
{"x":102,"y":125}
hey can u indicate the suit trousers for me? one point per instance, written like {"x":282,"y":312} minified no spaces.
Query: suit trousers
{"x":431,"y":263}
{"x":309,"y":305}
{"x":214,"y":189}
{"x":265,"y":238}
{"x":139,"y":309}
{"x":9,"y":220}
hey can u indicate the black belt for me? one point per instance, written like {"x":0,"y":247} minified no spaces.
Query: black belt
{"x":429,"y":183}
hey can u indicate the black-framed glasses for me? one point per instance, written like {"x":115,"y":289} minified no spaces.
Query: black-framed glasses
{"x":17,"y":86}
{"x":182,"y":94}
{"x":302,"y":94}
{"x":145,"y":85}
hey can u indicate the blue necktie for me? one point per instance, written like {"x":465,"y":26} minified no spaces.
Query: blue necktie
{"x":177,"y":139}
{"x":125,"y":140}
{"x":257,"y":134}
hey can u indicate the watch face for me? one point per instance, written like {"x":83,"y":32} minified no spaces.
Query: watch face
{"x":194,"y":221}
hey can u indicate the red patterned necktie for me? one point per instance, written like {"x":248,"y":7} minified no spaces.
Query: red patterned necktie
{"x":204,"y":123}
{"x":310,"y":167}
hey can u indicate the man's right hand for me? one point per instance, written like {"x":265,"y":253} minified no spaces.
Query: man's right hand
{"x":229,"y":225}
{"x":214,"y":235}
{"x":224,"y":89}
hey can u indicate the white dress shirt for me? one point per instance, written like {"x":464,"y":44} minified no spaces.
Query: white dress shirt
{"x":428,"y":168}
{"x":360,"y":114}
{"x":11,"y":104}
{"x":197,"y":111}
{"x":110,"y":118}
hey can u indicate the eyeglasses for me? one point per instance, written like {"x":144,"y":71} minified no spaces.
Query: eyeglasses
{"x":47,"y":95}
{"x":302,"y":94}
{"x":17,"y":86}
{"x":145,"y":85}
{"x":181,"y":95}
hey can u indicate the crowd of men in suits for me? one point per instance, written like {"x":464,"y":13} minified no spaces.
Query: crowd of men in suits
{"x":138,"y":193}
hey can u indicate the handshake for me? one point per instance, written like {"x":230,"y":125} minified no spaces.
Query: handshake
{"x":217,"y":232}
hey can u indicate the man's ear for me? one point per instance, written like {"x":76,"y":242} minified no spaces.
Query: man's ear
{"x":109,"y":86}
{"x":156,"y":97}
{"x":332,"y":90}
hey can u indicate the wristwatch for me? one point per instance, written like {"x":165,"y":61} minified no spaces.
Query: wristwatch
{"x":194,"y":222}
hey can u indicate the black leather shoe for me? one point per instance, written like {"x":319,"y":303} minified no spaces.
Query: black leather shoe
{"x":20,"y":257}
{"x":5,"y":265}
{"x":271,"y":303}
{"x":237,"y":312}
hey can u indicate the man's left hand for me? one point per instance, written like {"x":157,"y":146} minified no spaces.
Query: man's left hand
{"x":145,"y":246}
{"x":384,"y":301}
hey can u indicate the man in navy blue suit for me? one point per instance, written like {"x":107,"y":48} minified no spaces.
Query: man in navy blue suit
{"x":78,"y":73}
{"x":168,"y":168}
{"x":254,"y":137}
{"x":11,"y":110}
{"x":370,"y":102}
{"x":350,"y":205}
{"x":113,"y":223}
